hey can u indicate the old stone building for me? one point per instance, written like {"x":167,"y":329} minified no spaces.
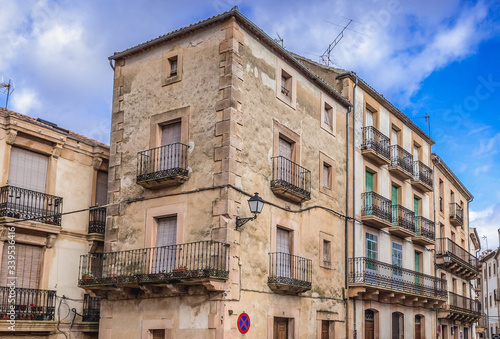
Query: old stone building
{"x":47,"y":171}
{"x":455,"y":258}
{"x":203,"y":117}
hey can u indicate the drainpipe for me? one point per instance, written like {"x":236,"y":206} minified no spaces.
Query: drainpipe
{"x":346,"y":229}
{"x":435,"y":226}
{"x":354,"y":190}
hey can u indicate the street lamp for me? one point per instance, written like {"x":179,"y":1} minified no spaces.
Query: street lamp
{"x":255,"y":204}
{"x":447,"y":258}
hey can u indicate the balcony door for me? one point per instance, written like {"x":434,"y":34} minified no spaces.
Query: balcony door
{"x":28,"y":170}
{"x":368,"y":189}
{"x":166,"y":240}
{"x":371,"y":269}
{"x":394,"y":199}
{"x":28,"y":262}
{"x":397,"y":262}
{"x":285,"y":167}
{"x":369,"y":118}
{"x":171,"y":148}
{"x":416,"y":203}
{"x":283,"y":253}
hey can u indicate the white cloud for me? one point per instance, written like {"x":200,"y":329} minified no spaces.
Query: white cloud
{"x":25,"y":101}
{"x":482,"y":169}
{"x":487,"y":224}
{"x":488,"y":145}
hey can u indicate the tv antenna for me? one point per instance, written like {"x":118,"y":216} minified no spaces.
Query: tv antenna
{"x":279,"y":40}
{"x":427,"y":119}
{"x":325,"y":58}
{"x":6,"y":87}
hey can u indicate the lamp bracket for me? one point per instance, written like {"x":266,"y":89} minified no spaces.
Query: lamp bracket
{"x":242,"y":221}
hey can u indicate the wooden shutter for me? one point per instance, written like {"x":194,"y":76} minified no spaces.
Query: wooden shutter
{"x":283,"y":249}
{"x":369,"y":118}
{"x":282,"y":241}
{"x":369,"y":182}
{"x":28,"y":260}
{"x":166,"y":235}
{"x":101,"y":192}
{"x":394,"y":137}
{"x":394,"y":195}
{"x":285,"y":149}
{"x":171,"y":134}
{"x":28,"y":170}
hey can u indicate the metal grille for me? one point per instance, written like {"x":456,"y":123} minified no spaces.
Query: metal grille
{"x":375,"y":140}
{"x":162,"y":162}
{"x":456,"y":252}
{"x":424,"y":227}
{"x":27,"y":304}
{"x":288,"y":269}
{"x":97,"y":220}
{"x":460,"y":303}
{"x":422,"y":173}
{"x":402,"y":158}
{"x":403,"y":217}
{"x":376,"y":205}
{"x":456,"y":212}
{"x":292,"y":176}
{"x":91,"y":309}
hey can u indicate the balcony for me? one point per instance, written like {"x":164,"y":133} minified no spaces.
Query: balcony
{"x":97,"y":220}
{"x":91,"y":309}
{"x":401,"y":162}
{"x":148,"y":270}
{"x":482,"y":324}
{"x":424,"y":231}
{"x":27,"y":304}
{"x":36,"y":207}
{"x":290,"y":180}
{"x":376,"y":210}
{"x":374,"y":280}
{"x":375,"y":146}
{"x":461,"y":309}
{"x":456,"y":214}
{"x":162,"y":166}
{"x":422,"y":176}
{"x":455,"y":259}
{"x":403,"y":222}
{"x":289,"y":273}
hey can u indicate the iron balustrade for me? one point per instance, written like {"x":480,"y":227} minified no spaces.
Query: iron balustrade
{"x":291,"y":176}
{"x":367,"y":271}
{"x":202,"y":259}
{"x":97,"y":220}
{"x":27,"y":304}
{"x":376,"y":205}
{"x":457,"y":212}
{"x":162,"y":162}
{"x":91,"y":309}
{"x":373,"y":139}
{"x":21,"y":203}
{"x":288,"y":269}
{"x":403,"y":217}
{"x":285,"y":91}
{"x":402,"y":158}
{"x":424,"y":227}
{"x":421,"y":172}
{"x":447,"y":246}
{"x":463,"y":304}
{"x":482,"y":322}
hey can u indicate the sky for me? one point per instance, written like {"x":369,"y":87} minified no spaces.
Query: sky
{"x":439,"y":58}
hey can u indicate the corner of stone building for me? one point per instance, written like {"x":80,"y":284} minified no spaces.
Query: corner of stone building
{"x":115,"y":157}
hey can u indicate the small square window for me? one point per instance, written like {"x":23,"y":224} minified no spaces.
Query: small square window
{"x":173,"y":66}
{"x":286,"y":84}
{"x":328,"y":115}
{"x":157,"y":334}
{"x":326,"y":250}
{"x":327,"y":173}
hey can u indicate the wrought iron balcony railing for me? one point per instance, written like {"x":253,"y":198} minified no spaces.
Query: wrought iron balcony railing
{"x":403,"y":217}
{"x":422,"y":173}
{"x":462,"y":304}
{"x":482,"y":322}
{"x":445,"y":246}
{"x":22,"y":203}
{"x":375,"y":140}
{"x":424,"y":227}
{"x":202,"y":259}
{"x":372,"y":272}
{"x":162,"y":162}
{"x":376,"y":205}
{"x":285,"y":91}
{"x":27,"y":304}
{"x":91,"y":309}
{"x":97,"y":220}
{"x":288,"y":269}
{"x":402,"y":158}
{"x":291,"y":176}
{"x":457,"y":213}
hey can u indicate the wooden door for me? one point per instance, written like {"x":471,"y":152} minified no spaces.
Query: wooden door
{"x":325,"y":329}
{"x":418,"y":327}
{"x":280,"y":328}
{"x":369,"y":325}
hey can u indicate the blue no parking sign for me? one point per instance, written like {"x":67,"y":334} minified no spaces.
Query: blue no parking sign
{"x":243,"y":323}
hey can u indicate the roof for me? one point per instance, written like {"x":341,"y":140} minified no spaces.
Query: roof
{"x":346,"y":73}
{"x":438,"y":161}
{"x":234,"y":12}
{"x":70,"y":134}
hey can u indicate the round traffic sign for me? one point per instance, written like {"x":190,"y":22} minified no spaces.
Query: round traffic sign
{"x":243,"y":323}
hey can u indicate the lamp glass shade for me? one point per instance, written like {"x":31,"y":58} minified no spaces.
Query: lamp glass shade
{"x":255,"y":203}
{"x":447,"y":258}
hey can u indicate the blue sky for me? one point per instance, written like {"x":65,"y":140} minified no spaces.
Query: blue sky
{"x":427,"y":56}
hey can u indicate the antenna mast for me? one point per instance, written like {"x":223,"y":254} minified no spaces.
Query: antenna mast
{"x":427,"y":119}
{"x":6,"y":86}
{"x":325,"y":58}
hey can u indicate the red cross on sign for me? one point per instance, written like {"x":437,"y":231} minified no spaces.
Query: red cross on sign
{"x":243,"y":323}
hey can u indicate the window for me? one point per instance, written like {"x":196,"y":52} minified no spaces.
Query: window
{"x":101,"y":192}
{"x":416,"y":152}
{"x":326,"y":250}
{"x":286,"y":78}
{"x":394,"y":136}
{"x":452,"y":196}
{"x":494,"y":269}
{"x":489,"y":270}
{"x":397,"y":262}
{"x":157,"y":334}
{"x":491,"y":304}
{"x":283,"y":252}
{"x":328,"y":115}
{"x":370,"y":117}
{"x":27,"y":268}
{"x":441,"y":195}
{"x":28,"y":170}
{"x":326,"y":174}
{"x":171,"y":68}
{"x":327,"y":169}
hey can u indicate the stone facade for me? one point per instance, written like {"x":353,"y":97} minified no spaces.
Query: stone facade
{"x":226,"y":93}
{"x":50,"y":246}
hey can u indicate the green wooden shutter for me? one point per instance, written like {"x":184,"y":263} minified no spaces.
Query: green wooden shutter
{"x":415,"y":210}
{"x":394,"y":197}
{"x":369,"y":197}
{"x":369,"y":182}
